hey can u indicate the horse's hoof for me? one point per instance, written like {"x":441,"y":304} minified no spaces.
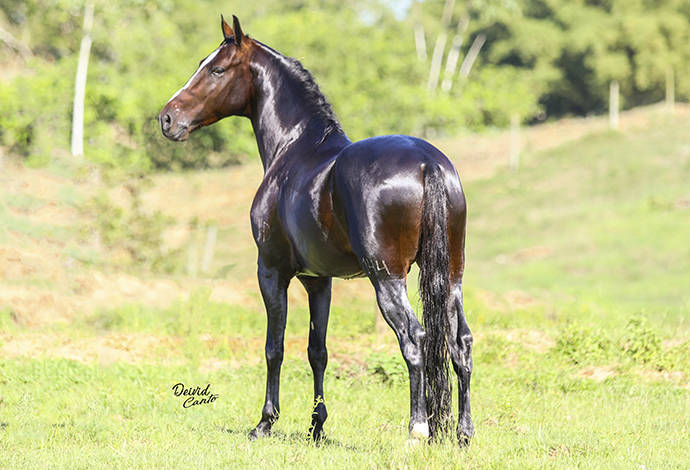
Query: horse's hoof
{"x":464,"y":440}
{"x":316,"y":434}
{"x":465,"y":434}
{"x":257,"y":432}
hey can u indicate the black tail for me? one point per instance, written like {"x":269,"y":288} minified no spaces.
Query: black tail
{"x":434,"y":285}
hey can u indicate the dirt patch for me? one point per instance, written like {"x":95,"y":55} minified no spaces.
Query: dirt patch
{"x":33,"y":307}
{"x":598,"y":373}
{"x":519,"y":300}
{"x":511,"y":300}
{"x":40,"y":290}
{"x":532,"y":253}
{"x":673,"y":376}
{"x":212,"y":364}
{"x":129,"y":348}
{"x":534,"y":340}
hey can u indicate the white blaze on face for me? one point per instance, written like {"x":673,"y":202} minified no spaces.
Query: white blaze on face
{"x":203,"y":64}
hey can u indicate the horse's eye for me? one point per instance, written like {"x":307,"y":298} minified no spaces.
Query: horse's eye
{"x":217,"y":71}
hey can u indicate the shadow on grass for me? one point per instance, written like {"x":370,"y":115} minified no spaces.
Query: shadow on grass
{"x":295,"y":438}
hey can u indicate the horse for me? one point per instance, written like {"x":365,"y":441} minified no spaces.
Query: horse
{"x":329,"y":207}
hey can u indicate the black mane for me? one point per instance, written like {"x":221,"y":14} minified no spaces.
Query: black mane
{"x":316,"y":100}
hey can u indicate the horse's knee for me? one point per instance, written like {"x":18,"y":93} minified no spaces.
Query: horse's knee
{"x":274,"y":355}
{"x":318,"y":356}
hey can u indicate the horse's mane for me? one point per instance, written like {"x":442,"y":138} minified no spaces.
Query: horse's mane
{"x":316,"y":100}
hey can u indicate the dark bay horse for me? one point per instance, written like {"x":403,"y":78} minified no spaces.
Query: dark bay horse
{"x":328,"y":207}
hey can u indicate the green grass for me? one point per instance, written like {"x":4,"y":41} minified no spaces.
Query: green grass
{"x":591,"y":371}
{"x":531,"y":409}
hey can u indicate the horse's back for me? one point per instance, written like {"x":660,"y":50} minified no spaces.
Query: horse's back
{"x":392,"y":156}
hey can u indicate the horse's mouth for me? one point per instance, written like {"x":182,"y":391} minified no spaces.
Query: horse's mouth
{"x":180,"y":136}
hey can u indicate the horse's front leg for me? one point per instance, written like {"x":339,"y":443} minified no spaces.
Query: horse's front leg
{"x":319,"y":290}
{"x":273,"y":285}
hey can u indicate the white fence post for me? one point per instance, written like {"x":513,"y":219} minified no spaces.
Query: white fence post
{"x":614,"y":104}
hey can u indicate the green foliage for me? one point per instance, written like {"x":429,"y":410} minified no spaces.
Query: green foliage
{"x":133,"y":234}
{"x":389,"y":369}
{"x":640,"y":342}
{"x":7,"y":319}
{"x":552,"y":56}
{"x":34,"y":111}
{"x":638,"y":345}
{"x":573,"y":49}
{"x":583,"y":345}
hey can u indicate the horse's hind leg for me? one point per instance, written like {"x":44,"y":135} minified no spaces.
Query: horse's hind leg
{"x":319,"y":290}
{"x":273,"y":285}
{"x":460,"y":348}
{"x":391,"y":295}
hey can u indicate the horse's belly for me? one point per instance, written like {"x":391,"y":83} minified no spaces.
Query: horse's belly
{"x":323,"y":258}
{"x":320,"y":246}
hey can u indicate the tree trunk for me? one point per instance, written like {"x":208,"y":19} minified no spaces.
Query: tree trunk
{"x":80,"y":84}
{"x":472,"y":54}
{"x":436,"y":61}
{"x":452,"y":63}
{"x":420,"y":42}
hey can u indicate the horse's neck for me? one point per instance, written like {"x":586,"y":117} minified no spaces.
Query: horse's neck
{"x":281,"y":117}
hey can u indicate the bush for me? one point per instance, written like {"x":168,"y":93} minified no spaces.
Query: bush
{"x":132,"y":235}
{"x":389,"y":369}
{"x":582,"y":344}
{"x":640,"y":343}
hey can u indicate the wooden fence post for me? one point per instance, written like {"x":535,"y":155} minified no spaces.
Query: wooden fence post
{"x":614,"y":104}
{"x":209,"y":247}
{"x":670,"y":89}
{"x":515,"y":141}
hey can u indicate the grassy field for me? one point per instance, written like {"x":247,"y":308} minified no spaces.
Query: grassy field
{"x":577,"y":291}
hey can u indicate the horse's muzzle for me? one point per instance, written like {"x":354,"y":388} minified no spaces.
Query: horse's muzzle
{"x":171,"y":127}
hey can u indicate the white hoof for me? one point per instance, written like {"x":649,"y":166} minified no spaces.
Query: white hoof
{"x":419,"y":431}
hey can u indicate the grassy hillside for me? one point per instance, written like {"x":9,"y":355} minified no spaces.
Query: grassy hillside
{"x":603,"y":222}
{"x":577,"y":290}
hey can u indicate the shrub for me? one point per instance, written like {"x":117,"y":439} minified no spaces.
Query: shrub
{"x":641,"y":343}
{"x":390,"y":369}
{"x":582,"y":344}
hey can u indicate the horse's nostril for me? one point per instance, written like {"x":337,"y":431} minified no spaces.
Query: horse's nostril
{"x":166,"y":122}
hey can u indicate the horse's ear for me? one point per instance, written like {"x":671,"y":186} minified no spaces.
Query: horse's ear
{"x":237,"y":29}
{"x":227,"y":30}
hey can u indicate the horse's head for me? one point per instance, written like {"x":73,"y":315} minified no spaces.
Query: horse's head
{"x":220,"y":87}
